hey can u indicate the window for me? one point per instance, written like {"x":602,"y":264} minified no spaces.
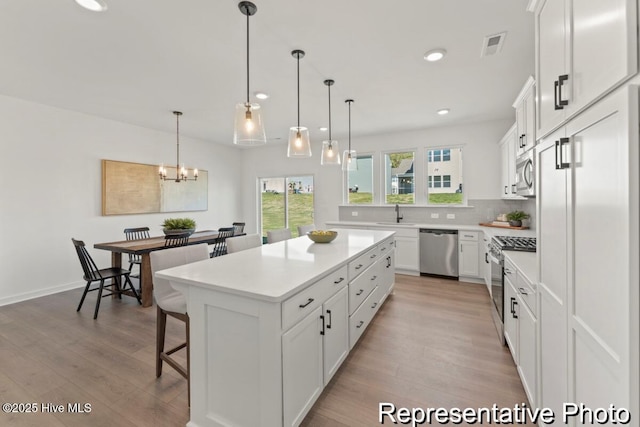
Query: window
{"x":360,"y":182}
{"x":444,"y":176}
{"x":399,"y":176}
{"x":286,"y":202}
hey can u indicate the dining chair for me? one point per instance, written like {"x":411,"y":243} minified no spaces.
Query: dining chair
{"x":136,"y":234}
{"x":304,"y":229}
{"x":219,"y":248}
{"x":93,"y":274}
{"x":238,"y":227}
{"x":240,"y":243}
{"x":171,"y":302}
{"x":278,"y":235}
{"x":175,"y":240}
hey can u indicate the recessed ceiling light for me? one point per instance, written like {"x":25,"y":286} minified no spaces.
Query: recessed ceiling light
{"x":443,"y":111}
{"x":322,"y":129}
{"x":435,"y":55}
{"x":261,"y":95}
{"x":93,"y":5}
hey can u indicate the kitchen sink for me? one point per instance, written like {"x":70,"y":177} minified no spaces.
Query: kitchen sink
{"x":394,"y":223}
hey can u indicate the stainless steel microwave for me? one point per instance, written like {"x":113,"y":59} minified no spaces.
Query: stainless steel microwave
{"x":525,"y":174}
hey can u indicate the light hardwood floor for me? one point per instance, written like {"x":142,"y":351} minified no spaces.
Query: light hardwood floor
{"x":432,"y":344}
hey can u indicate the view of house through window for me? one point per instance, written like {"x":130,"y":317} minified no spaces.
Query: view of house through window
{"x":444,"y":176}
{"x":360,"y":182}
{"x":399,"y":184}
{"x":286,"y":202}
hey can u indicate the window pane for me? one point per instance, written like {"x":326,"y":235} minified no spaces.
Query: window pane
{"x":399,"y":185}
{"x":272,"y":204}
{"x":444,"y":169}
{"x":360,"y":182}
{"x":300,"y":202}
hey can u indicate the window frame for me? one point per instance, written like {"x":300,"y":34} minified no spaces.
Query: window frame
{"x":286,"y":197}
{"x":425,"y":165}
{"x":374,"y":193}
{"x":383,"y":175}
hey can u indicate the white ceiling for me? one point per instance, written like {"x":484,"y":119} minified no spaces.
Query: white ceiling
{"x":142,"y":59}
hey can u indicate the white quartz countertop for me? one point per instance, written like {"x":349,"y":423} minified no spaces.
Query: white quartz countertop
{"x":492,"y":231}
{"x":525,"y":262}
{"x":276,"y":271}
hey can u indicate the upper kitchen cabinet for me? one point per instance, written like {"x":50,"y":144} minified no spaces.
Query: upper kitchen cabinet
{"x":508,"y":164}
{"x":525,"y":106}
{"x":584,"y":49}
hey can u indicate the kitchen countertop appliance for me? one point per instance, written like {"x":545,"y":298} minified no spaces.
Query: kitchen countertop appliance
{"x":497,"y":245}
{"x":439,"y":252}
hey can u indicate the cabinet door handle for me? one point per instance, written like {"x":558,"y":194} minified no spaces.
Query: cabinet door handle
{"x":513,"y":188}
{"x":360,"y":324}
{"x":486,"y":258}
{"x":373,"y":256}
{"x":374,"y":278}
{"x":389,"y":261}
{"x":322,"y":331}
{"x":309,"y":301}
{"x":375,"y":304}
{"x":523,"y":291}
{"x":524,"y":140}
{"x":359,"y":292}
{"x":507,"y":271}
{"x":515,"y":316}
{"x":513,"y":300}
{"x":329,"y":322}
{"x":339,"y":280}
{"x":358,"y":267}
{"x":562,"y":102}
{"x":505,"y":190}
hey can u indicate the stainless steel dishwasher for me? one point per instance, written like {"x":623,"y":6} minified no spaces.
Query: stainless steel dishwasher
{"x":439,"y":252}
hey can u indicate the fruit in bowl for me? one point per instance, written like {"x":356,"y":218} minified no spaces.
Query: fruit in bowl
{"x":322,"y":236}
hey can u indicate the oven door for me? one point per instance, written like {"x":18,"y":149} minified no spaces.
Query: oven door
{"x":525,"y":171}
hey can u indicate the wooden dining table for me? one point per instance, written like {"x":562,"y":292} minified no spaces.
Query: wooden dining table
{"x":144,"y":247}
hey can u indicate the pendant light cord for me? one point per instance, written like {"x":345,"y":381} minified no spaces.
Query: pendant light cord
{"x":247,"y":9}
{"x":349,"y":102}
{"x":177,"y":142}
{"x":330,"y":139}
{"x":298,"y":57}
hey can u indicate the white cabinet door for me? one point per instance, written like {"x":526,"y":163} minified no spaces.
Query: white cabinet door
{"x":468,"y":259}
{"x":508,"y":162}
{"x":486,"y":263}
{"x":388,"y":270}
{"x":604,"y":48}
{"x":521,"y":126}
{"x":336,"y":332}
{"x":527,"y":351}
{"x":552,"y":34}
{"x":302,"y":367}
{"x":407,"y":253}
{"x":511,"y":317}
{"x":529,"y":134}
{"x":552,"y":249}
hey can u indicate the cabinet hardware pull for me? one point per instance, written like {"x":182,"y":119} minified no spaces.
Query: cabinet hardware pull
{"x":563,"y":164}
{"x":374,"y":305}
{"x":322,"y":331}
{"x":374,"y":278}
{"x":524,"y":140}
{"x":360,"y":324}
{"x":555,"y":95}
{"x":513,"y":188}
{"x":523,"y":291}
{"x":339,"y":280}
{"x":562,"y":102}
{"x":515,"y":316}
{"x":513,"y":300}
{"x":358,"y":267}
{"x":329,"y":322}
{"x":505,"y":189}
{"x":309,"y":301}
{"x":486,"y":258}
{"x":373,"y":256}
{"x":389,"y":261}
{"x":507,"y":271}
{"x":359,"y":292}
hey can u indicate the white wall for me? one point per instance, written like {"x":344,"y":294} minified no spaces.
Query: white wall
{"x":51,"y":190}
{"x":480,"y":150}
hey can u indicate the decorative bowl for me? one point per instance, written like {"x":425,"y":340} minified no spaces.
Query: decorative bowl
{"x":322,"y":236}
{"x":171,"y":232}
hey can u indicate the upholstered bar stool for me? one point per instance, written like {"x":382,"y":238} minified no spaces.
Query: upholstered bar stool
{"x":240,"y":243}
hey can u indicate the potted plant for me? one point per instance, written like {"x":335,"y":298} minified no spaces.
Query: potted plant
{"x":515,"y":218}
{"x":178,"y":225}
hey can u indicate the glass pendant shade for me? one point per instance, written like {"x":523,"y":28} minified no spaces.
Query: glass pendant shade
{"x":330,"y":153}
{"x":349,"y":160}
{"x":249,"y":128}
{"x":299,"y":144}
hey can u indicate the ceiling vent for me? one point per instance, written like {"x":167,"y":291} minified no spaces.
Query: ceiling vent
{"x":493,"y":44}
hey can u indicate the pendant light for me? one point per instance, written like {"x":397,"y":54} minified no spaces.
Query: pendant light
{"x":349,"y":158}
{"x":249,"y":129}
{"x":299,"y":144}
{"x":181,"y":172}
{"x":330,"y":149}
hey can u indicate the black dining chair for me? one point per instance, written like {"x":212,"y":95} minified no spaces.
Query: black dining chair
{"x":136,"y":234}
{"x":220,"y":246}
{"x":175,"y":240}
{"x":238,"y":228}
{"x":93,"y":274}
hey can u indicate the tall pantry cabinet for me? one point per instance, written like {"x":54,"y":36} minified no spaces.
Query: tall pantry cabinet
{"x":588,"y":204}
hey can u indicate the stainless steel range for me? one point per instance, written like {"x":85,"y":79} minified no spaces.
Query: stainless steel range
{"x":499,"y":244}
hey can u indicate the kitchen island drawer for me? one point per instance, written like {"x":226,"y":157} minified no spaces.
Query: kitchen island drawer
{"x":360,"y":264}
{"x":303,"y":303}
{"x":359,"y":321}
{"x":361,"y":287}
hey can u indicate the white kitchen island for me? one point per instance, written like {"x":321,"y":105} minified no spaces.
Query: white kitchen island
{"x":271,"y":325}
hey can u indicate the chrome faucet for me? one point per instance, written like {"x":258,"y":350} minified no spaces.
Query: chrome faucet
{"x":398,"y":216}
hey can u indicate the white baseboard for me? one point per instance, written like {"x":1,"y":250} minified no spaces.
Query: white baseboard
{"x":40,"y":293}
